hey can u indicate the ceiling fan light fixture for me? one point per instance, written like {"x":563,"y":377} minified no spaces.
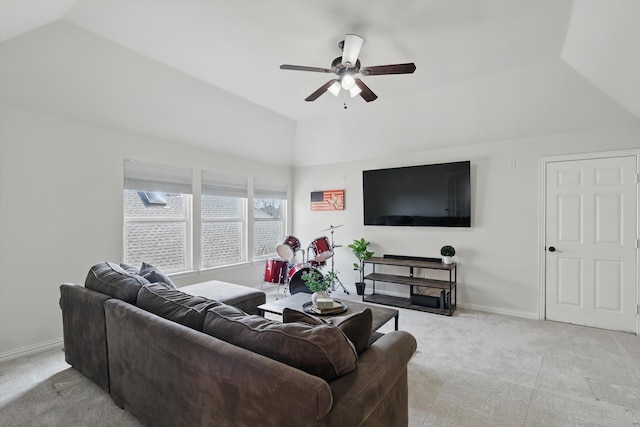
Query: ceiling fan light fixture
{"x":347,"y":67}
{"x":348,"y":82}
{"x":335,"y":88}
{"x":355,"y":91}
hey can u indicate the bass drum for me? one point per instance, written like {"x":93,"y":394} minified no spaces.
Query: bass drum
{"x":296,"y":285}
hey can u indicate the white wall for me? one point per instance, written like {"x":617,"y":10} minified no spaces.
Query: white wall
{"x":65,"y":70}
{"x":61,"y":212}
{"x":602,"y":45}
{"x":498,"y":256}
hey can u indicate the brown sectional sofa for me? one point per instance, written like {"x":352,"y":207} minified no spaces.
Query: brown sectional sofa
{"x":169,"y":374}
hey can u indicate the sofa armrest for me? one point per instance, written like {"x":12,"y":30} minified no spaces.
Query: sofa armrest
{"x":167,"y":374}
{"x":83,"y":327}
{"x":379,"y":381}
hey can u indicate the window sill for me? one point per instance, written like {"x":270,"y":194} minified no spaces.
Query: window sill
{"x":224,"y":267}
{"x":181,"y":274}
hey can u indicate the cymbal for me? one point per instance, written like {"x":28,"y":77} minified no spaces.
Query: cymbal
{"x":331,"y":227}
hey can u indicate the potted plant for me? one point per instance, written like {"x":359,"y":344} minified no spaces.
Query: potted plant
{"x":318,"y":284}
{"x":361,"y":250}
{"x":447,"y":253}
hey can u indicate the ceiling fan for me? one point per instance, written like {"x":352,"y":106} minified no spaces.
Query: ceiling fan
{"x":347,"y":67}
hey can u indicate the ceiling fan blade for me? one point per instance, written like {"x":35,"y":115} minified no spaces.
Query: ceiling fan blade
{"x":322,"y":89}
{"x":366,"y":94}
{"x":303,"y":68}
{"x":388,"y":69}
{"x":351,"y":49}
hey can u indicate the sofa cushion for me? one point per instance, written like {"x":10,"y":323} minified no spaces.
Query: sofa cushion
{"x":245,"y":298}
{"x":154,"y":275}
{"x":111,"y":279}
{"x":356,"y":326}
{"x":188,"y":310}
{"x":320,"y":350}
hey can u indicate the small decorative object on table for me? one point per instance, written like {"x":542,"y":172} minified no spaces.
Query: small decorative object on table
{"x":336,"y":307}
{"x":447,"y":253}
{"x":318,"y":285}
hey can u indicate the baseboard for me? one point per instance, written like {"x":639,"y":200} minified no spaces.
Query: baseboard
{"x":495,"y":310}
{"x":32,"y":349}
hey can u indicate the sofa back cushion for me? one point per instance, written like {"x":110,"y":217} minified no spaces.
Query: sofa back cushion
{"x":188,"y":310}
{"x":320,"y":350}
{"x":356,"y":326}
{"x":111,"y":279}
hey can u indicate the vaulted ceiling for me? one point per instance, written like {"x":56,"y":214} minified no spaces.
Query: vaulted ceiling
{"x":502,"y":68}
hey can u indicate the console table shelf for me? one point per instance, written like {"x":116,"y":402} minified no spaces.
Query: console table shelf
{"x":404,"y":280}
{"x":448,"y":287}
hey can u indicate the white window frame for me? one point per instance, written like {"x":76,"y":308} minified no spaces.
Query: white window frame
{"x":268,"y":189}
{"x":187,"y":219}
{"x":225,"y":185}
{"x":141,"y":176}
{"x":283,"y":228}
{"x":243,"y":234}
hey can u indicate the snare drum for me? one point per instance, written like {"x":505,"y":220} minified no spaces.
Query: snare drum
{"x":322,"y":249}
{"x":287,"y":250}
{"x":296,"y":284}
{"x":275,"y":270}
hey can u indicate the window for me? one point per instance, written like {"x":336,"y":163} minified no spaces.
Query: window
{"x":224,"y":219}
{"x":157,"y":216}
{"x":269,"y":217}
{"x":159,"y":226}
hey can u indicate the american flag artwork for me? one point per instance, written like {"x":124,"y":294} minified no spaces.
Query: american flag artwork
{"x":328,"y":200}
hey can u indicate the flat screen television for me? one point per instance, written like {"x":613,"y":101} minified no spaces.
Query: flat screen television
{"x":437,"y":195}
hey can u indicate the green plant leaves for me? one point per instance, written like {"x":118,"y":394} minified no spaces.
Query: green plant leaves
{"x":447,"y":250}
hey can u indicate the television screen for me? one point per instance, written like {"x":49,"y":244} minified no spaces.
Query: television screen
{"x":436,"y":195}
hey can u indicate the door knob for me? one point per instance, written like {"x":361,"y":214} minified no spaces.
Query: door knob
{"x":553,"y":249}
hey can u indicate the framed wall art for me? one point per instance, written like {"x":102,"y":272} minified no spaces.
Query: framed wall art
{"x":327,"y":200}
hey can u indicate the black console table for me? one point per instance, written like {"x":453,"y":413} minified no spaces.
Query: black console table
{"x":448,"y":299}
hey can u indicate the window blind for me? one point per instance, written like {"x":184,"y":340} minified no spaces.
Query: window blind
{"x":264,"y":189}
{"x":216,"y":184}
{"x":141,"y":176}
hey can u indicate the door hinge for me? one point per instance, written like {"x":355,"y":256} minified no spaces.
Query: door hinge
{"x":638,"y":309}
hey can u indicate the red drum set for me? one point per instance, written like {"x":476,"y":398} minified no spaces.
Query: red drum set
{"x":285,"y":271}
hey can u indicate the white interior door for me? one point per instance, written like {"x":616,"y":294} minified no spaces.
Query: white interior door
{"x":591,"y":240}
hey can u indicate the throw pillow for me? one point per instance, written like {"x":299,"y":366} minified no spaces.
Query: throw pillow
{"x":356,"y":326}
{"x":153,"y":275}
{"x":130,"y":269}
{"x":320,"y":350}
{"x":172,"y":304}
{"x":111,"y":279}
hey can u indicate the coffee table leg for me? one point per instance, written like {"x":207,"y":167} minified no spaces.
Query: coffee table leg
{"x":397,"y":316}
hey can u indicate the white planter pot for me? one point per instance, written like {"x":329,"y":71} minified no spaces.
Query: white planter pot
{"x":447,"y":260}
{"x":315,"y":295}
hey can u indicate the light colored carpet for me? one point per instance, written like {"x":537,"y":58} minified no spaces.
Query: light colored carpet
{"x":472,"y":369}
